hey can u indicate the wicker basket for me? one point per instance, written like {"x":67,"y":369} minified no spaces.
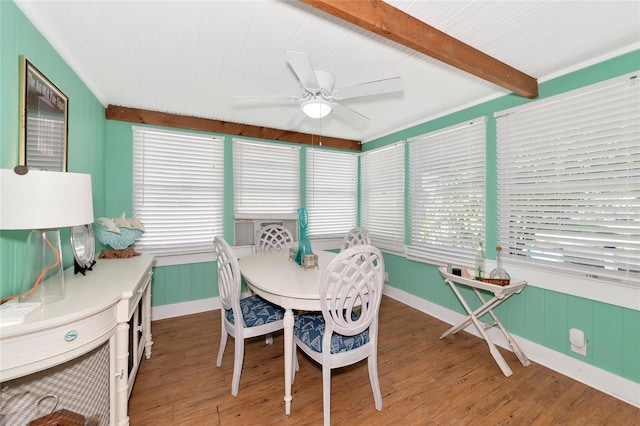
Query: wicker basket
{"x":497,"y":281}
{"x":60,"y":418}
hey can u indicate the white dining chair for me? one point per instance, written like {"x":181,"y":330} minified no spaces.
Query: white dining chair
{"x":258,"y":317}
{"x":274,"y":237}
{"x":346,"y":331}
{"x":356,"y":236}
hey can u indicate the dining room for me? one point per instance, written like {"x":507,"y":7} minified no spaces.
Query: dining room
{"x":469,"y":162}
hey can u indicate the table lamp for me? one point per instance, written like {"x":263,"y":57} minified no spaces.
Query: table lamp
{"x":43,"y":202}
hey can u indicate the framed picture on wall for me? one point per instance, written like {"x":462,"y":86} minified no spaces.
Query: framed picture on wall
{"x":43,"y":121}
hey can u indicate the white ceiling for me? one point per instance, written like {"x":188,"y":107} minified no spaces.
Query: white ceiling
{"x":191,"y":57}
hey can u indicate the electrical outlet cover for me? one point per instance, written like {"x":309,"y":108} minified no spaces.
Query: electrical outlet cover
{"x":578,"y":341}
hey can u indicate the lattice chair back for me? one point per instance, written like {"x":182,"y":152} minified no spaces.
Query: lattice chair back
{"x":274,"y":237}
{"x":355,"y":237}
{"x":350,"y":294}
{"x":241,"y":318}
{"x":346,"y":331}
{"x":228,"y":276}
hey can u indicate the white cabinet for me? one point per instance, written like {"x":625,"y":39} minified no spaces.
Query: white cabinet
{"x":109,"y":305}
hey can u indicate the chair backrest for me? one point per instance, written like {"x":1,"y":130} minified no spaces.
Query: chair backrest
{"x":274,"y":237}
{"x":352,"y":283}
{"x":228,"y":275}
{"x":355,"y":237}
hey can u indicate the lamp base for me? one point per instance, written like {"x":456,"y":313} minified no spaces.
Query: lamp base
{"x":43,"y":278}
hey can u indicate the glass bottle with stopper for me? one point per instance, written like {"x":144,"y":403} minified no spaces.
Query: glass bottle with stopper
{"x":499,"y":272}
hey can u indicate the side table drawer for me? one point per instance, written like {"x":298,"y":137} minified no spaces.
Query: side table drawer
{"x":31,"y":352}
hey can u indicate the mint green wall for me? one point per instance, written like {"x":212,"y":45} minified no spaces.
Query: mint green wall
{"x":86,"y":126}
{"x":183,"y":283}
{"x":541,"y":316}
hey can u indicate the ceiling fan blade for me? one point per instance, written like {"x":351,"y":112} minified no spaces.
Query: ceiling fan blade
{"x":302,"y":67}
{"x":348,"y":114}
{"x":377,"y":87}
{"x":296,"y":120}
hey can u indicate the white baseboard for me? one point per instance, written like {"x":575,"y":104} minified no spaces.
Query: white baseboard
{"x":609,"y":383}
{"x":184,"y":308}
{"x":597,"y":378}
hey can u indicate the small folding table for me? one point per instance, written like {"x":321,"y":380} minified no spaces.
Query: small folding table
{"x":500,"y":294}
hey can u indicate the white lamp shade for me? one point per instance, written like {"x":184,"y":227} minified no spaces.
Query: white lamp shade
{"x":44,"y":200}
{"x":316,"y":108}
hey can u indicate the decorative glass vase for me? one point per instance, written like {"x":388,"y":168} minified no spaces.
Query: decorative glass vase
{"x":499,"y":273}
{"x":304,"y":245}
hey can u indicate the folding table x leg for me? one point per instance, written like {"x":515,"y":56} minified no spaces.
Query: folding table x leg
{"x":473,"y":317}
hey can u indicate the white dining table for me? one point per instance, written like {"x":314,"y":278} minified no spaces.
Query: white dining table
{"x":276,"y":278}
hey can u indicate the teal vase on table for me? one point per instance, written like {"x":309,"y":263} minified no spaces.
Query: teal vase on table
{"x":304,"y":245}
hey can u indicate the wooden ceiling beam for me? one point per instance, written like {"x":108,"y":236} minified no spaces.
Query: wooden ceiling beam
{"x":394,"y":24}
{"x":135,"y":115}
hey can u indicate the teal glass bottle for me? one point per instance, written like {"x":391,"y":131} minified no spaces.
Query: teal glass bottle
{"x":304,"y":245}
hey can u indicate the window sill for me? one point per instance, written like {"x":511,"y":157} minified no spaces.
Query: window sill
{"x":624,"y":295}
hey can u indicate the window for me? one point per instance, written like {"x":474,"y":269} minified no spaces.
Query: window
{"x":177,"y":190}
{"x":447,"y":193}
{"x":569,"y":182}
{"x":266,"y":180}
{"x":382,"y":196}
{"x":332,"y":192}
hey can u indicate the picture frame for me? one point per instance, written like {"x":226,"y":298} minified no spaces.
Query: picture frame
{"x":43,"y":121}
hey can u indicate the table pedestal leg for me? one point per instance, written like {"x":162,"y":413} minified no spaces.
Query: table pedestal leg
{"x":288,"y":358}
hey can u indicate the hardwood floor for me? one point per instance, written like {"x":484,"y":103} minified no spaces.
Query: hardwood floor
{"x":424,"y":381}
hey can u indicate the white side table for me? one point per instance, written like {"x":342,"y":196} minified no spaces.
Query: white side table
{"x":97,"y":308}
{"x":500,"y":294}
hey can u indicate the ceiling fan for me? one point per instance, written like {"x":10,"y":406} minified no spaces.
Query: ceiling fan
{"x":319,"y":97}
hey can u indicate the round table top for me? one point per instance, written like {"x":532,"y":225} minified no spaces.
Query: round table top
{"x":280,"y":280}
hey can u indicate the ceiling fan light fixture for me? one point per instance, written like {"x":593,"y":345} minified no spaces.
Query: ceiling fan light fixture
{"x":316,"y":108}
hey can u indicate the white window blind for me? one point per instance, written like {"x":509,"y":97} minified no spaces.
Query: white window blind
{"x":332,"y":192}
{"x":45,"y":151}
{"x":569,"y":181}
{"x":178,"y":181}
{"x":447,"y":193}
{"x":266,"y":180}
{"x":382,"y":196}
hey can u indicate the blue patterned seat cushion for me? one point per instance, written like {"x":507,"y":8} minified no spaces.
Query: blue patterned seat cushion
{"x":256,"y":311}
{"x":310,"y":329}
